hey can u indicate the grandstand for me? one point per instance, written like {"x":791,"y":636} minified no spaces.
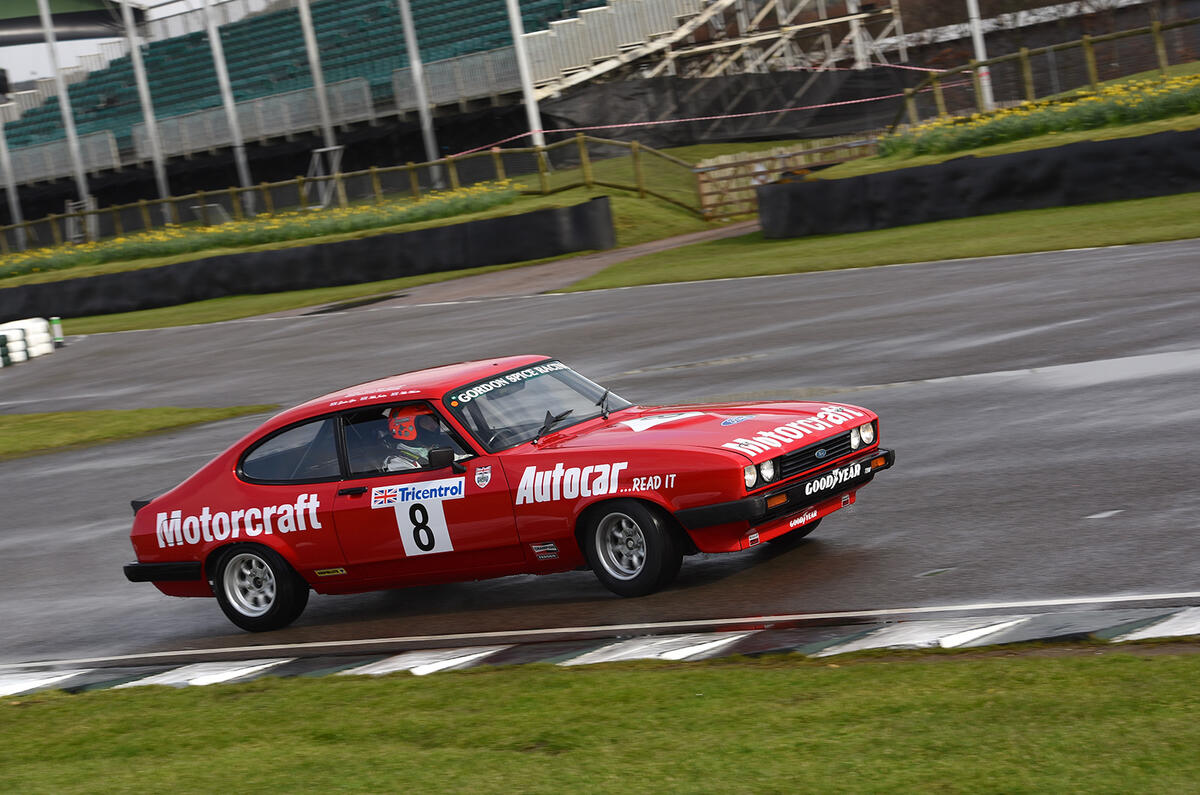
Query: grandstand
{"x":265,"y":53}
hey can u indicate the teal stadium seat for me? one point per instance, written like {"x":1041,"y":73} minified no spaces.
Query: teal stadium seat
{"x":265,"y":55}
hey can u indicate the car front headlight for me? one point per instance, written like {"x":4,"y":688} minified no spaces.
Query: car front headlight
{"x":867,"y":432}
{"x":766,"y":471}
{"x":751,"y":474}
{"x":855,"y":438}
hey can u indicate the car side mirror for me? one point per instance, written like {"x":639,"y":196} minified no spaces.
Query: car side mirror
{"x":442,"y":457}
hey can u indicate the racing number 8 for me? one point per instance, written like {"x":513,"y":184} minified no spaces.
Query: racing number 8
{"x":418,"y":514}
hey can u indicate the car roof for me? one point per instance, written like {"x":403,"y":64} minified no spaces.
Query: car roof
{"x":429,"y":384}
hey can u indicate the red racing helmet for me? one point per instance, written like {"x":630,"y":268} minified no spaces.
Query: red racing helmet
{"x":402,"y":421}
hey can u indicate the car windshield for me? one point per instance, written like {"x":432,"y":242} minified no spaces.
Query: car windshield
{"x":522,"y":404}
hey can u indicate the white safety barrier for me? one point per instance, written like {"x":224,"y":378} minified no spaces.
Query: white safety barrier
{"x":21,"y":340}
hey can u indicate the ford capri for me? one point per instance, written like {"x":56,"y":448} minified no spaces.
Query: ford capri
{"x":492,"y":468}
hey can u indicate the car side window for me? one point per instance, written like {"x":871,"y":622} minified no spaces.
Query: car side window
{"x":396,"y":438}
{"x":304,"y":453}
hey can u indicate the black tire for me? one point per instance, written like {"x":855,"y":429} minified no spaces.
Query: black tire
{"x":257,"y":589}
{"x":631,"y":549}
{"x":792,"y":536}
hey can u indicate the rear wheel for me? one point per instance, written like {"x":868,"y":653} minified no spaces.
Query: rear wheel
{"x":258,"y":590}
{"x":631,"y":549}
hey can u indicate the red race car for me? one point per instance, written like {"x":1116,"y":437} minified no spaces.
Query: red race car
{"x":490,"y":468}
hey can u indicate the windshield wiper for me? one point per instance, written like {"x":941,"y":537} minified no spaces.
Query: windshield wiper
{"x":551,"y":421}
{"x":603,"y":404}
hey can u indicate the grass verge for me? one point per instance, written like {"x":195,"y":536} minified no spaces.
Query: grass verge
{"x":1114,"y":223}
{"x":636,"y":221}
{"x":23,"y":434}
{"x":1114,"y":722}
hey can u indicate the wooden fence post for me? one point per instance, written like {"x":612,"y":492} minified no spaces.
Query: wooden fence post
{"x":118,"y":227}
{"x":543,"y":170}
{"x":4,"y":239}
{"x":300,"y":192}
{"x":1160,"y":47}
{"x":235,"y":200}
{"x":55,"y":232}
{"x":268,"y":200}
{"x":910,"y":104}
{"x":414,"y":183}
{"x":938,"y":97}
{"x":1027,"y":75}
{"x":976,"y":85}
{"x":1089,"y":54}
{"x":376,"y":187}
{"x":498,"y":162}
{"x":639,"y":176}
{"x":145,"y":211}
{"x":452,"y":167}
{"x":584,"y":163}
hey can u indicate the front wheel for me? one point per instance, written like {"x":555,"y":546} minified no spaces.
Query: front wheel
{"x":630,"y":548}
{"x":258,"y":590}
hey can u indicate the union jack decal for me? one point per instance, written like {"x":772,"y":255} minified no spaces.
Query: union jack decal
{"x":385,"y":496}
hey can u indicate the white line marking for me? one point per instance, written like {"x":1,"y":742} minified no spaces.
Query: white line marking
{"x":201,"y":674}
{"x":617,"y":629}
{"x":1105,"y":514}
{"x":421,"y":663}
{"x":1179,"y":625}
{"x":944,"y":633}
{"x":16,"y":684}
{"x":674,"y":647}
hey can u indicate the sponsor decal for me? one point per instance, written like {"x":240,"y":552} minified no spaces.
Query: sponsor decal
{"x":833,"y":479}
{"x":420,"y":516}
{"x":639,"y":424}
{"x":651,"y":483}
{"x":803,"y":518}
{"x":467,"y":395}
{"x":568,"y":483}
{"x":174,"y":529}
{"x":845,"y":500}
{"x":827,"y":417}
{"x":372,"y":396}
{"x":725,"y":423}
{"x":752,"y":540}
{"x":546,"y":551}
{"x":329,"y":572}
{"x":483,"y":476}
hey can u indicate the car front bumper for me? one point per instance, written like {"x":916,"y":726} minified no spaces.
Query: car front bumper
{"x":791,"y":498}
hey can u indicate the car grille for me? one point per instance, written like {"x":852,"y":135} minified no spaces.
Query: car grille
{"x":806,"y":458}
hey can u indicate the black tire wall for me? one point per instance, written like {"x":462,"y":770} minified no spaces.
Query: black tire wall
{"x":1081,"y":173}
{"x":491,"y":241}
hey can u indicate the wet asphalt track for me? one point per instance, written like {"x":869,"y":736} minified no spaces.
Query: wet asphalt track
{"x":1023,"y":394}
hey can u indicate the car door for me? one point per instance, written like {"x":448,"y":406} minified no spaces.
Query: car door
{"x":399,"y":517}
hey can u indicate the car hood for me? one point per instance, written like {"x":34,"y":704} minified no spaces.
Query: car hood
{"x":758,"y":431}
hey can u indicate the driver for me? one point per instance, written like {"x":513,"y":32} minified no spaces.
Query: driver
{"x":412,"y":432}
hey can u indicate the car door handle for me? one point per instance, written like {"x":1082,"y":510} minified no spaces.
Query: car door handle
{"x":352,"y":490}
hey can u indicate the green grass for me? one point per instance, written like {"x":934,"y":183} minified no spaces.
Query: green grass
{"x":1113,"y":722}
{"x":636,"y":221}
{"x":22,"y":434}
{"x":1114,"y":223}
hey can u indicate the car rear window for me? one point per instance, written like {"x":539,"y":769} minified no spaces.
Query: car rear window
{"x":303,"y":453}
